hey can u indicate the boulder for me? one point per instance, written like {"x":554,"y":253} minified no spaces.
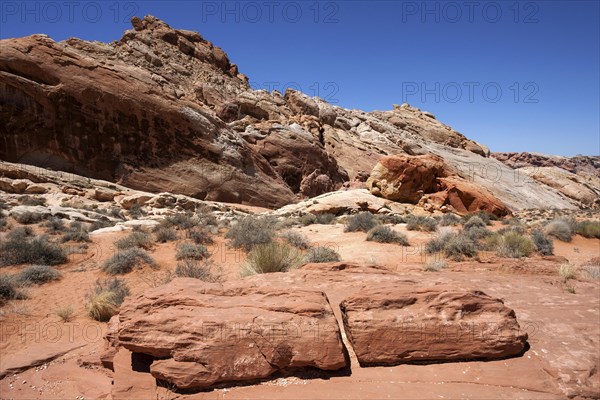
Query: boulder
{"x":300,"y":103}
{"x":104,"y":195}
{"x":200,"y":334}
{"x":405,"y":178}
{"x":391,"y":325}
{"x":139,"y":198}
{"x":466,"y":197}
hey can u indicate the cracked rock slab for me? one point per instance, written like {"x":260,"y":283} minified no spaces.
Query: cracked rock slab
{"x":392,"y":325}
{"x":201,"y":334}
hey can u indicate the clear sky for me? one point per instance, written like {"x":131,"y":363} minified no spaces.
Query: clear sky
{"x":514,"y":75}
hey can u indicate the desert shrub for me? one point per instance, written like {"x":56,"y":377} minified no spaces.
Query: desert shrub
{"x":37,"y":250}
{"x":474,"y":222}
{"x":65,"y":313}
{"x":460,"y":245}
{"x":271,"y":257}
{"x":477,"y":232}
{"x":136,"y":212}
{"x":126,"y":260}
{"x":164,"y":235}
{"x":27,"y":200}
{"x":38,"y":275}
{"x":105,"y":298}
{"x":20,"y":233}
{"x":99,"y":224}
{"x":543,"y":244}
{"x":3,"y":223}
{"x":183,"y":220}
{"x":560,"y":229}
{"x":200,"y":236}
{"x":567,"y":271}
{"x":325,"y":219}
{"x":250,"y":231}
{"x":134,"y":239}
{"x":296,"y":239}
{"x":390,"y":219}
{"x":115,"y":212}
{"x":421,"y":223}
{"x":593,"y":271}
{"x":192,"y":251}
{"x":363,"y":221}
{"x":76,"y":233}
{"x":520,"y":229}
{"x":190,"y":268}
{"x":588,"y":229}
{"x":449,"y":220}
{"x":55,"y":225}
{"x":485,"y":216}
{"x":384,"y":234}
{"x":438,"y":243}
{"x":321,"y":255}
{"x":8,"y":289}
{"x":514,"y":245}
{"x":435,"y":266}
{"x":308,"y":219}
{"x":29,"y":217}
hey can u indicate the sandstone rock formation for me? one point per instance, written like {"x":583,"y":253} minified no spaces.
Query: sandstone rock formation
{"x":388,"y":325}
{"x":165,"y":110}
{"x":201,"y":334}
{"x":580,"y":165}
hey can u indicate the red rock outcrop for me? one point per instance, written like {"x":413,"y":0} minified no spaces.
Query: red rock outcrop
{"x":201,"y":334}
{"x":391,"y":325}
{"x":584,"y":165}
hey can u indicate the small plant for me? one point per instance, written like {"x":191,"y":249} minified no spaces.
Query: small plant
{"x":136,"y":212}
{"x":592,"y":271}
{"x":163,"y":234}
{"x":250,"y":232}
{"x":182,"y":221}
{"x":438,"y":243}
{"x":126,"y":260}
{"x":363,"y":221}
{"x":38,"y":275}
{"x":191,"y":251}
{"x":435,"y":266}
{"x":421,"y":223}
{"x":325,"y":219}
{"x":200,"y":236}
{"x":384,"y":234}
{"x":190,"y":268}
{"x":29,"y":217}
{"x":567,"y":271}
{"x":543,"y":244}
{"x":449,"y":220}
{"x":321,"y":255}
{"x":474,"y":222}
{"x":514,"y":245}
{"x":37,"y":250}
{"x":54,"y":226}
{"x":295,"y":239}
{"x":8,"y":289}
{"x":115,"y":212}
{"x":27,"y":200}
{"x":20,"y":233}
{"x":65,"y":313}
{"x":560,"y":229}
{"x":99,"y":224}
{"x":135,"y":239}
{"x":308,"y":219}
{"x":588,"y":229}
{"x":460,"y":245}
{"x":391,"y":219}
{"x":570,"y":288}
{"x":76,"y":233}
{"x":105,"y":298}
{"x":271,"y":257}
{"x":485,"y":216}
{"x":3,"y":223}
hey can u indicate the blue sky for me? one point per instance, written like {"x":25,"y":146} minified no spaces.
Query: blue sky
{"x":516,"y":76}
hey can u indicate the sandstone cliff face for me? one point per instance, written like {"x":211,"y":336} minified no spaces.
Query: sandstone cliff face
{"x":164,"y":110}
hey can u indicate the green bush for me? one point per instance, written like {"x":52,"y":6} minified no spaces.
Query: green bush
{"x":105,"y":298}
{"x":271,"y":257}
{"x":363,"y":221}
{"x":135,"y":239}
{"x":38,"y":275}
{"x":191,"y":251}
{"x":250,"y":232}
{"x":514,"y":245}
{"x":543,"y":244}
{"x":421,"y":223}
{"x":460,"y":245}
{"x":37,"y":250}
{"x":126,"y":260}
{"x":588,"y":229}
{"x":384,"y":234}
{"x":321,"y":255}
{"x":164,"y":235}
{"x":295,"y":239}
{"x":438,"y":243}
{"x":28,"y":218}
{"x":560,"y":229}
